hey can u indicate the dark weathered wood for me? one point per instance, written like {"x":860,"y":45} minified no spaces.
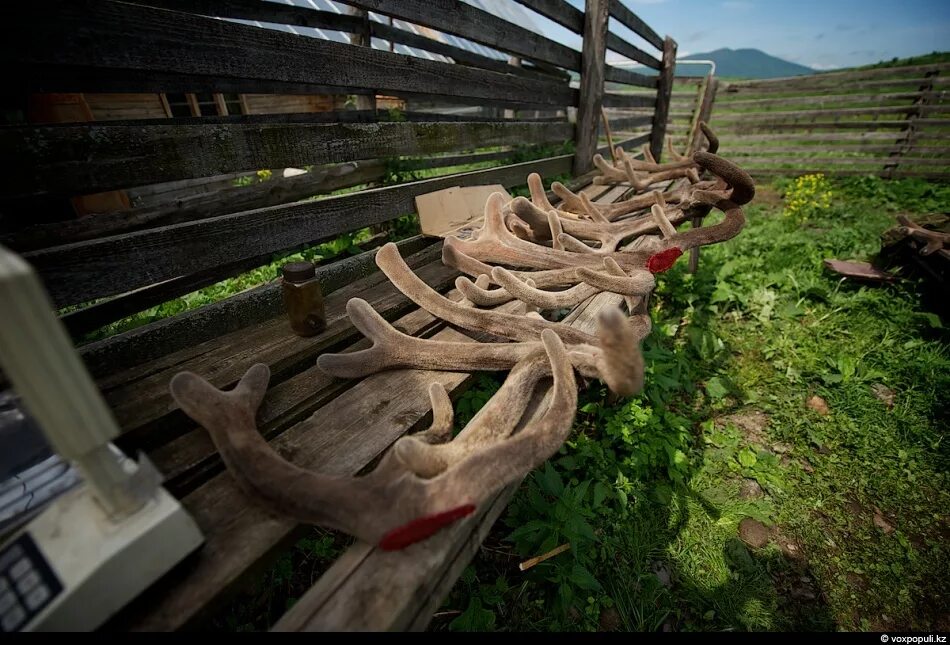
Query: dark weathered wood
{"x":591,"y":85}
{"x":628,"y":122}
{"x":635,"y":23}
{"x":84,"y":271}
{"x":200,"y":205}
{"x":829,"y":88}
{"x":842,"y":161}
{"x":456,"y":160}
{"x":625,"y":76}
{"x":805,"y":169}
{"x":143,"y":49}
{"x":663,"y":92}
{"x":199,"y":326}
{"x":309,"y":17}
{"x":768,"y":125}
{"x":821,"y":100}
{"x":770,"y":115}
{"x":617,"y":44}
{"x":477,"y":25}
{"x":628,"y":144}
{"x":703,"y":115}
{"x":904,"y":144}
{"x":82,"y":159}
{"x":613,"y":100}
{"x":559,"y":11}
{"x":819,"y":149}
{"x":847,"y":75}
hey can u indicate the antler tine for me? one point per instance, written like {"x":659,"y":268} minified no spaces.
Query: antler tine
{"x":609,"y":172}
{"x":743,"y":188}
{"x":592,"y":211}
{"x":482,"y":296}
{"x":673,"y":153}
{"x":648,"y":154}
{"x":488,"y":471}
{"x":490,"y":425}
{"x":554,"y":223}
{"x":538,"y":195}
{"x":666,"y":228}
{"x":443,"y":416}
{"x":620,"y":361}
{"x":571,"y":243}
{"x":495,"y":323}
{"x":711,"y":138}
{"x":457,"y":259}
{"x":545,"y":300}
{"x":616,"y":280}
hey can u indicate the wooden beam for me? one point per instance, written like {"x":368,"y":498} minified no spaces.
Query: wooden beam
{"x":84,"y":271}
{"x":81,"y":159}
{"x":617,"y":44}
{"x":592,"y":84}
{"x":559,"y":11}
{"x":112,"y":46}
{"x":477,"y":25}
{"x":625,"y":76}
{"x":663,"y":92}
{"x":634,"y":23}
{"x":614,"y":100}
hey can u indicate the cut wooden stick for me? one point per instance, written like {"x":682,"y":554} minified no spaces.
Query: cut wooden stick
{"x":527,"y":564}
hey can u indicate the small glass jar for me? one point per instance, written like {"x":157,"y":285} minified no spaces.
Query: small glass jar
{"x":303,"y":298}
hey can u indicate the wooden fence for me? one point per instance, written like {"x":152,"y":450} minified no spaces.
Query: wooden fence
{"x":103,"y":267}
{"x":890,"y":122}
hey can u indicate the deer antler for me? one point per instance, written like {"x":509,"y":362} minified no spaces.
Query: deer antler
{"x":392,"y":506}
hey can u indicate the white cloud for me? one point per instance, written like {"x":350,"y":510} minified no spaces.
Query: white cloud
{"x":823,"y":66}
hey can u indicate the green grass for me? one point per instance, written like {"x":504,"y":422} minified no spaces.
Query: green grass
{"x":856,"y":501}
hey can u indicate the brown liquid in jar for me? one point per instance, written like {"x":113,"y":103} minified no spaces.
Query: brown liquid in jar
{"x":303,"y":298}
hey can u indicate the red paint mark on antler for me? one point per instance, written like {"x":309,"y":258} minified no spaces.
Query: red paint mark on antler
{"x":422,"y":527}
{"x":660,"y":262}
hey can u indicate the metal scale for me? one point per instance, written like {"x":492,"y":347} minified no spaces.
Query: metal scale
{"x":95,"y":547}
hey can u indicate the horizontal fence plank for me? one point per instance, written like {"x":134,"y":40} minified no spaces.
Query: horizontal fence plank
{"x":751,"y":117}
{"x":620,"y":123}
{"x":84,"y":271}
{"x":559,"y":11}
{"x":829,"y":99}
{"x":82,"y":159}
{"x":63,"y":46}
{"x":746,"y":126}
{"x":614,"y":100}
{"x":617,"y":44}
{"x":634,"y":23}
{"x":620,"y":75}
{"x":817,"y":169}
{"x":477,"y":25}
{"x":200,"y":325}
{"x":847,"y":75}
{"x":200,"y":205}
{"x":822,"y":148}
{"x":294,"y":15}
{"x":832,"y":162}
{"x":830,"y":137}
{"x":831,"y":87}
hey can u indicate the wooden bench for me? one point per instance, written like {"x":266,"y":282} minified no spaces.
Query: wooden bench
{"x":102,"y":271}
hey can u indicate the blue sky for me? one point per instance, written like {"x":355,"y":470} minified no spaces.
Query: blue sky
{"x":821,"y":34}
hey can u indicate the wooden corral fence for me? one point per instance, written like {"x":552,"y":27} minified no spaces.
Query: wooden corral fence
{"x":103,"y":267}
{"x":890,"y":122}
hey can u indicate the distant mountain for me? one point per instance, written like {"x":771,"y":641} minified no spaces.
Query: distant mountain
{"x":746,"y":63}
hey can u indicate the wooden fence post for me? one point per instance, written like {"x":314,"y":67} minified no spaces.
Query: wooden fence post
{"x":591,"y":96}
{"x":362,"y":38}
{"x":664,"y":89}
{"x":908,"y":134}
{"x":703,"y":113}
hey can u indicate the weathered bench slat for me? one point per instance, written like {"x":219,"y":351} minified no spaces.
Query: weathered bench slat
{"x":87,"y":158}
{"x":84,"y":271}
{"x":63,"y":46}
